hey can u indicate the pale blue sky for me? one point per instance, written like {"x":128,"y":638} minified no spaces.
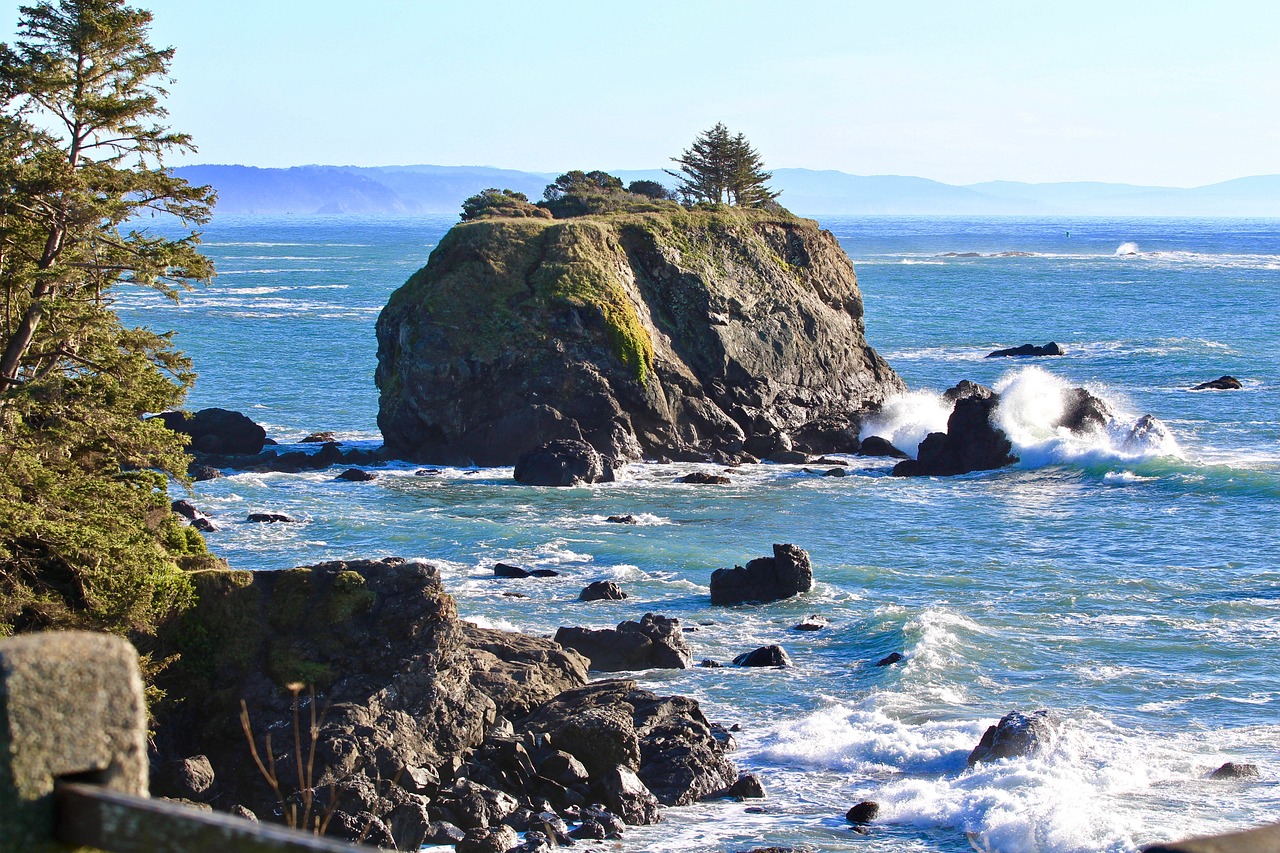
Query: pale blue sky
{"x":1168,"y":93}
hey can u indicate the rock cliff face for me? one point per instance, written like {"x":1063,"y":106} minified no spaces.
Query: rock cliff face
{"x":688,"y":335}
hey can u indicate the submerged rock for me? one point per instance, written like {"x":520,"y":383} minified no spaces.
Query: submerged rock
{"x":684,"y":335}
{"x":1017,"y":734}
{"x":271,"y":518}
{"x":764,"y":656}
{"x":788,"y":572}
{"x":1222,"y":383}
{"x":602,"y":591}
{"x":356,"y":475}
{"x":1232,"y":770}
{"x":702,"y":478}
{"x":890,"y":659}
{"x":1029,"y":351}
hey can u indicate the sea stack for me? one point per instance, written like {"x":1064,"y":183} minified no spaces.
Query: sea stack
{"x":681,"y":334}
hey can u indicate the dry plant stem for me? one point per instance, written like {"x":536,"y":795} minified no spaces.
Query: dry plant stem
{"x":269,"y":775}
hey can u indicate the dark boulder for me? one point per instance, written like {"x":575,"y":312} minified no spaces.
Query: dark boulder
{"x":271,"y":518}
{"x":1028,"y":351}
{"x":1083,"y":412}
{"x":813,"y":622}
{"x":655,"y":642}
{"x":971,"y":443}
{"x":217,"y":431}
{"x":602,"y":591}
{"x":622,"y":519}
{"x":747,"y":787}
{"x":890,"y":659}
{"x":356,"y":475}
{"x":788,"y":457}
{"x":876,"y":446}
{"x":443,"y":832}
{"x":787,"y":573}
{"x":498,"y":839}
{"x":320,"y":438}
{"x":506,"y":570}
{"x":630,"y":798}
{"x":1222,"y":383}
{"x":200,"y":473}
{"x":764,"y":656}
{"x":967,"y":389}
{"x":563,"y":462}
{"x":1232,"y":770}
{"x":702,"y":478}
{"x":1016,"y":734}
{"x":863,"y":813}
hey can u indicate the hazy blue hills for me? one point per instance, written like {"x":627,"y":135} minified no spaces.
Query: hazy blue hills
{"x":441,"y":189}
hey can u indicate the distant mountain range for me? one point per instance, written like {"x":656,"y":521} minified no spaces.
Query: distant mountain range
{"x":441,"y":189}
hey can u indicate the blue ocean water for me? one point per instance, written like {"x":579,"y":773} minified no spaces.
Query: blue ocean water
{"x":1134,"y":588}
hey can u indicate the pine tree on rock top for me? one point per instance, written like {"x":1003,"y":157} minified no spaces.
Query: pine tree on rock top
{"x":721,"y":168}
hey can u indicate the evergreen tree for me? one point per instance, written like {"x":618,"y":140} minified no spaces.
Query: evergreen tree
{"x":723,"y":169}
{"x":86,"y":534}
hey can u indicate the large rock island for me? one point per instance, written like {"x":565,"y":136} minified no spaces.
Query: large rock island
{"x":682,"y":334}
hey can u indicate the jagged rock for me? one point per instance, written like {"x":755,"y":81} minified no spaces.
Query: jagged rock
{"x":588,"y":830}
{"x":812,"y":623}
{"x":1029,"y":351}
{"x":563,"y":768}
{"x":475,"y":806}
{"x":518,"y":672}
{"x":971,"y":443}
{"x":1231,"y":770}
{"x":271,"y":518}
{"x":601,"y":738}
{"x":506,"y":570}
{"x":655,"y":642}
{"x":355,"y":475}
{"x":788,"y":457}
{"x":563,"y":462}
{"x":1016,"y":734}
{"x":602,"y":591}
{"x":787,"y":573}
{"x":747,"y":787}
{"x":709,"y":663}
{"x":876,"y":446}
{"x":628,"y":797}
{"x":835,"y":472}
{"x":1147,"y":433}
{"x":659,"y":336}
{"x":702,"y":478}
{"x":1083,"y":411}
{"x":622,"y":519}
{"x":200,"y":473}
{"x":320,"y":438}
{"x":217,"y":430}
{"x":967,"y":389}
{"x":443,"y":832}
{"x":498,"y":839}
{"x":890,"y":659}
{"x":186,"y":779}
{"x":241,"y":812}
{"x":863,"y":813}
{"x":1222,"y":383}
{"x":612,"y":824}
{"x":764,"y":656}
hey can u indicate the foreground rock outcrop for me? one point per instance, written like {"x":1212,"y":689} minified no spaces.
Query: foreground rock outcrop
{"x":684,"y":335}
{"x":427,"y":727}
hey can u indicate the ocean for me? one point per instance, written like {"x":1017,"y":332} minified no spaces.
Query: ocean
{"x":1131,"y":587}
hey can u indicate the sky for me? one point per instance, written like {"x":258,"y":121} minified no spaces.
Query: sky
{"x":1162,"y":93}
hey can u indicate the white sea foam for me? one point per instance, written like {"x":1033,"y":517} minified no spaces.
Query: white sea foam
{"x":905,"y":419}
{"x":1127,"y":249}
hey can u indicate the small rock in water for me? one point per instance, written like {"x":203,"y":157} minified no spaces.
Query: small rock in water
{"x":602,"y":591}
{"x":764,"y":656}
{"x":863,"y":813}
{"x":515,"y":595}
{"x":1222,"y":383}
{"x":271,"y":518}
{"x":830,"y":460}
{"x":1016,"y":734}
{"x":544,"y":573}
{"x":748,"y":787}
{"x":788,"y":457}
{"x":709,"y":663}
{"x":205,"y":525}
{"x":874,"y":445}
{"x":426,"y":472}
{"x":506,"y":570}
{"x":355,"y":475}
{"x":756,"y":810}
{"x":1231,"y":770}
{"x":1028,"y":351}
{"x":835,"y":472}
{"x":889,"y":659}
{"x":621,"y":519}
{"x":320,"y":438}
{"x":702,"y":478}
{"x":200,"y":473}
{"x":812,"y":623}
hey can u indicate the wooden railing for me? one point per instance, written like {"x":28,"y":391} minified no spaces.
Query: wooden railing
{"x":73,"y":760}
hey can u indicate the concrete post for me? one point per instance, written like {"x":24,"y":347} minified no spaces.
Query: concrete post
{"x":71,"y":705}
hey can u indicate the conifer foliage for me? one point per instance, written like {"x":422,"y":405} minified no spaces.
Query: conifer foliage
{"x":86,"y":534}
{"x":721,"y":168}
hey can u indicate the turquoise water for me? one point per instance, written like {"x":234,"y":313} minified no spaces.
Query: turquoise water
{"x":1133,"y":588}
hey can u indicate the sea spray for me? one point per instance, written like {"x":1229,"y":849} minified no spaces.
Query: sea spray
{"x":905,"y":419}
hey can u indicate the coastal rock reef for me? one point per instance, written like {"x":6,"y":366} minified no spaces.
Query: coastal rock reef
{"x":683,"y":335}
{"x":379,"y":712}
